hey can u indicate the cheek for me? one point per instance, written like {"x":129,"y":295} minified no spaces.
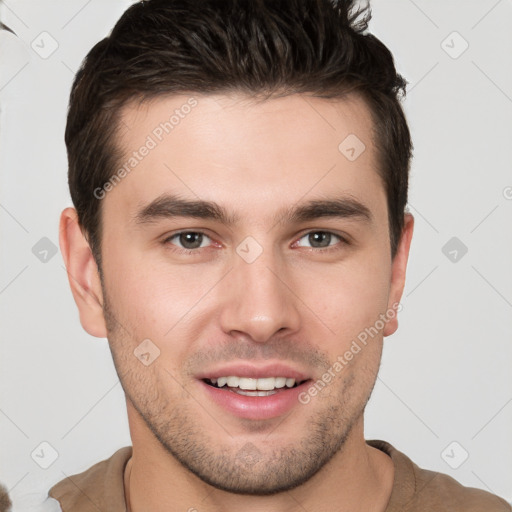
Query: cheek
{"x":156,"y":300}
{"x":347,"y":297}
{"x":152,"y":298}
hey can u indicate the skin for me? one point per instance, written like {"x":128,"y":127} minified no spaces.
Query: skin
{"x":296,"y":303}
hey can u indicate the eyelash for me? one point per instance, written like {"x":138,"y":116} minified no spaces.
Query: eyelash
{"x":336,"y":247}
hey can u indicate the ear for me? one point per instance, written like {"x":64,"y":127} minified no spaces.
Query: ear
{"x":398,"y":269}
{"x":83,"y":274}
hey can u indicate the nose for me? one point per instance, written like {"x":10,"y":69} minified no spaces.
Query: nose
{"x":257,"y":299}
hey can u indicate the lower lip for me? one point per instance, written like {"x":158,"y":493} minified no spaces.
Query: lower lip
{"x":255,"y":407}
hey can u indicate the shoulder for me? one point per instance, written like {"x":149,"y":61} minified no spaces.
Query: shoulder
{"x":443,"y":490}
{"x":99,"y":487}
{"x":417,"y":489}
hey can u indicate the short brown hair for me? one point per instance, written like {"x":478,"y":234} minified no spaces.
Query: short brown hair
{"x":257,"y":47}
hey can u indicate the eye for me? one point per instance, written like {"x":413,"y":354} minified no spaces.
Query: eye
{"x":189,"y":240}
{"x":320,"y":240}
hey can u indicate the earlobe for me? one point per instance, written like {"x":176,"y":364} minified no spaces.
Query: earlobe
{"x":398,"y":272}
{"x":82,"y":273}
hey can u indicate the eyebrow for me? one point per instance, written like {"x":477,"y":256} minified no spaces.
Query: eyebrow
{"x":168,"y":206}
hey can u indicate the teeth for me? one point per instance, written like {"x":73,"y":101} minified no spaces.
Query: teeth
{"x":281,"y":382}
{"x":254,"y":393}
{"x":290,"y":383}
{"x":264,"y":384}
{"x":233,"y":382}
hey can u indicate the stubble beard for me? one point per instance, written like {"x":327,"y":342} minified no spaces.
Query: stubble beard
{"x":259,"y":467}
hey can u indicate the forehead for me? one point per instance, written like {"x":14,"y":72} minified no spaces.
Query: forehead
{"x":242,"y":152}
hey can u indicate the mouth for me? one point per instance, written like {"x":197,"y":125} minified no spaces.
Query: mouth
{"x":255,"y":392}
{"x":254,"y":387}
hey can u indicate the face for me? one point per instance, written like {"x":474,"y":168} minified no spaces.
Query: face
{"x":245,"y":244}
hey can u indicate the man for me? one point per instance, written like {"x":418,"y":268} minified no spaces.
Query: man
{"x":239,"y":174}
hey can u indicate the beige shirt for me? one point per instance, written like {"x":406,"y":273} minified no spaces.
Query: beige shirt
{"x":101,"y":487}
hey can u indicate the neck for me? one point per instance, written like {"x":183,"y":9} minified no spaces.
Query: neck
{"x":358,"y":478}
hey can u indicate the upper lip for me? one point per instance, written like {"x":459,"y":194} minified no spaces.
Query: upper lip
{"x":254,"y":371}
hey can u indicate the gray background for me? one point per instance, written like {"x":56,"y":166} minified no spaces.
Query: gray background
{"x":445,"y":387}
